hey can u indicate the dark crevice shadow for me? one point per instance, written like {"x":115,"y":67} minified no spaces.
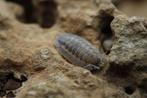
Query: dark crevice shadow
{"x":42,"y":12}
{"x":106,"y":33}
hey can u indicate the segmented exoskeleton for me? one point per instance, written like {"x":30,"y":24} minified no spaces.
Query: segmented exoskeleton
{"x":79,"y":51}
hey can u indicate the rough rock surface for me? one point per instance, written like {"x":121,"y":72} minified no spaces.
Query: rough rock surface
{"x":31,"y":67}
{"x":130,"y":43}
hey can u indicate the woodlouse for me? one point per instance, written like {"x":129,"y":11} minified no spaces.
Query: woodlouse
{"x":79,"y":51}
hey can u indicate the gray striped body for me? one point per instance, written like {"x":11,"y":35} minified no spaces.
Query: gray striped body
{"x":78,"y":51}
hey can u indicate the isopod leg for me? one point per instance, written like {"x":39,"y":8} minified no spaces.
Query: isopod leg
{"x":91,"y":67}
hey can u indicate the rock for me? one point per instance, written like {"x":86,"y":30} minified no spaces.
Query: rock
{"x":129,"y":47}
{"x":52,"y":83}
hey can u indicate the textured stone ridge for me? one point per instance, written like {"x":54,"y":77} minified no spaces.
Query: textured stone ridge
{"x":130,"y":45}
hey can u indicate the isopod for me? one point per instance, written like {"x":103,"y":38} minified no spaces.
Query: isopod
{"x":79,"y":51}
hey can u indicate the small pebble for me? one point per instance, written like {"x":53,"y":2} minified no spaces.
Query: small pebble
{"x":107,"y":45}
{"x":44,"y":53}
